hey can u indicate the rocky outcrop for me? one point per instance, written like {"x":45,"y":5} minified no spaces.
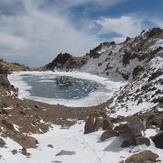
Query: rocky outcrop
{"x":4,"y":82}
{"x":7,"y":68}
{"x":97,"y":120}
{"x":65,"y":62}
{"x":6,"y":87}
{"x":22,"y":139}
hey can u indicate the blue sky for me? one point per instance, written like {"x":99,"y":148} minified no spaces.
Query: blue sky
{"x":33,"y":32}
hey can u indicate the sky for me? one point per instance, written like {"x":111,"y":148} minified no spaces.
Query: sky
{"x":34,"y":32}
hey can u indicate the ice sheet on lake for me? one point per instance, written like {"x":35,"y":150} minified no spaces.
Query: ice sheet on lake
{"x":94,"y":98}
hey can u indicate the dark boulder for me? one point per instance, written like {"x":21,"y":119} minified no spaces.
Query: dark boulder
{"x":161,"y":124}
{"x":125,"y":144}
{"x":131,"y":130}
{"x":158,"y":140}
{"x":142,"y":140}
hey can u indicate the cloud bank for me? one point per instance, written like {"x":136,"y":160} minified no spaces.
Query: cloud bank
{"x":34,"y":32}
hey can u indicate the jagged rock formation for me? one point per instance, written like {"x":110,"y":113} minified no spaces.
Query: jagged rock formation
{"x":66,"y":62}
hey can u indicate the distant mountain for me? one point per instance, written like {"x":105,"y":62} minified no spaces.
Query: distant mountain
{"x":138,"y":60}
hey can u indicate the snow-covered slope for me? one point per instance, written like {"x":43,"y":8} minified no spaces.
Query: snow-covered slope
{"x":87,"y":148}
{"x":144,"y":93}
{"x":120,"y":60}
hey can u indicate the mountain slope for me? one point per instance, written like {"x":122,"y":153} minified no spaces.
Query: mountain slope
{"x":114,"y":60}
{"x":138,"y":60}
{"x":120,"y":60}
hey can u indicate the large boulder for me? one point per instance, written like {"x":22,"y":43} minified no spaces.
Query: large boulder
{"x":131,"y":130}
{"x":142,"y":157}
{"x":158,"y":140}
{"x":97,"y":120}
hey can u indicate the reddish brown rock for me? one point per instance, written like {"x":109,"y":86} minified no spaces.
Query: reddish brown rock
{"x":2,"y":142}
{"x":142,"y":157}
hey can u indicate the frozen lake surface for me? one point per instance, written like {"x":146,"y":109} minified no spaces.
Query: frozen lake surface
{"x":65,"y":88}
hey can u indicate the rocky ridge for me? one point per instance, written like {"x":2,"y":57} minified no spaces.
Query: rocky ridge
{"x":7,"y":68}
{"x":114,"y":60}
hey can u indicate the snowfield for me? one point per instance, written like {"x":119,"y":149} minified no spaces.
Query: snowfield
{"x":88,"y":148}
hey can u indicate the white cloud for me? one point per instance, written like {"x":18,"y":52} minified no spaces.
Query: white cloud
{"x":37,"y":30}
{"x":124,"y":25}
{"x":156,"y":21}
{"x":40,"y":34}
